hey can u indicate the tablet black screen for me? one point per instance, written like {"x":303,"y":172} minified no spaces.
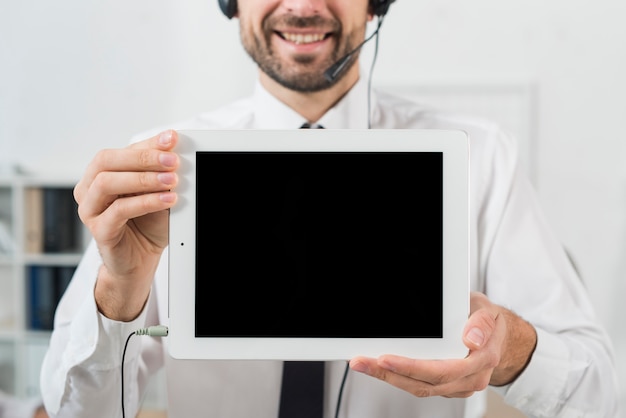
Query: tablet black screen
{"x":319,"y":244}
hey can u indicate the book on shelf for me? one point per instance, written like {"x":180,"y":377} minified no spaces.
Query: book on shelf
{"x":46,"y":286}
{"x":60,"y":221}
{"x":33,"y":220}
{"x":51,"y":220}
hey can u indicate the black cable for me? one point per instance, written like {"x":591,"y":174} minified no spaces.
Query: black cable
{"x":152,"y":331}
{"x":369,"y":81}
{"x":122,"y":371}
{"x":162,"y":331}
{"x":343,"y":382}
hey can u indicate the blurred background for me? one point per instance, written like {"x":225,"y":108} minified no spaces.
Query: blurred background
{"x":78,"y":76}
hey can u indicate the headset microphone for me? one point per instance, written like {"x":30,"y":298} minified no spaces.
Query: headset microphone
{"x":338,"y":67}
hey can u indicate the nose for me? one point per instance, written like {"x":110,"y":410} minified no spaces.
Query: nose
{"x":304,"y":7}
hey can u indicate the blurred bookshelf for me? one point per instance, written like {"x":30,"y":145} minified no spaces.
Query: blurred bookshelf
{"x":41,"y":243}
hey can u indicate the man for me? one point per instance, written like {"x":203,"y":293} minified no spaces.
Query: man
{"x":532,"y":334}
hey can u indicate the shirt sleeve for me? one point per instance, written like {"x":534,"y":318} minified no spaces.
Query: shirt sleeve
{"x":527,"y":270}
{"x":81,"y":372}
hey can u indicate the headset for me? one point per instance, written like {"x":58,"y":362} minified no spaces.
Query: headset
{"x":379,"y":7}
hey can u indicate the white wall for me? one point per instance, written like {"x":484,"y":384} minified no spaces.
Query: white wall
{"x":79,"y":76}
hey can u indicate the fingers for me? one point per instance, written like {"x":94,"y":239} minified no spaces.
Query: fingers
{"x":433,"y":372}
{"x":110,"y":187}
{"x":122,"y":184}
{"x":108,"y":226}
{"x":425,"y":378}
{"x":153,"y":154}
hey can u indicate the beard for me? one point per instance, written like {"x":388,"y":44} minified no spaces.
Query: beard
{"x":304,"y":74}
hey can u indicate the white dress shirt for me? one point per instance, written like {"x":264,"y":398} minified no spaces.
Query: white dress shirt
{"x":515,"y":259}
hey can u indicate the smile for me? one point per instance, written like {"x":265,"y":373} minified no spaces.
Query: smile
{"x":303,"y":38}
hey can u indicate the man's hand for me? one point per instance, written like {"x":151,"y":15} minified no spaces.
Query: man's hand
{"x":500,"y":346}
{"x":123,"y":199}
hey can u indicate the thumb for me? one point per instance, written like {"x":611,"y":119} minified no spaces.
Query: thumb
{"x":481,"y":323}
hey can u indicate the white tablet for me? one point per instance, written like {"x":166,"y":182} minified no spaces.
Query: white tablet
{"x":319,"y":244}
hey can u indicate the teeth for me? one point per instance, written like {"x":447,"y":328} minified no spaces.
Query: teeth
{"x":299,"y":38}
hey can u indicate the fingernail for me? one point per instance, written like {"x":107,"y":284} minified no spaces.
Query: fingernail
{"x":168,"y":197}
{"x":166,"y":178}
{"x":165,"y":138}
{"x":360,"y":367}
{"x":476,"y":336}
{"x":167,"y":159}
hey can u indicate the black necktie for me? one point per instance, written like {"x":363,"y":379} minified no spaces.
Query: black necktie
{"x":302,"y":390}
{"x":307,"y":125}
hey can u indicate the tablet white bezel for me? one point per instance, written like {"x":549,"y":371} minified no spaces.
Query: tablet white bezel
{"x":183,"y":344}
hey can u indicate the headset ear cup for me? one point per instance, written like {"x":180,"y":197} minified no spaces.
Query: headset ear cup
{"x":228,"y":7}
{"x":380,"y":7}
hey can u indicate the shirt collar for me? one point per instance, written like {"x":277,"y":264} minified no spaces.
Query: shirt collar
{"x":349,"y":113}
